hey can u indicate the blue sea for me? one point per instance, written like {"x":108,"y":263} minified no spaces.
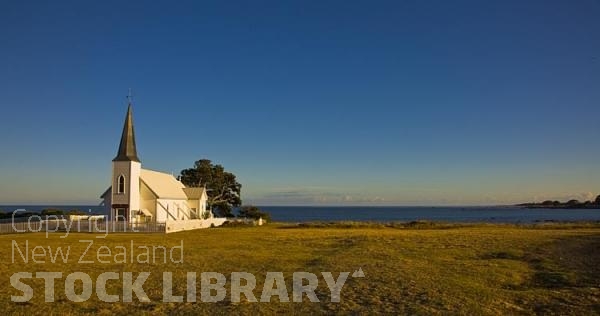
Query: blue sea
{"x":504,"y":214}
{"x":447,"y":214}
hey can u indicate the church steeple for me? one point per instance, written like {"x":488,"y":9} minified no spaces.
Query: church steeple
{"x":127,"y":150}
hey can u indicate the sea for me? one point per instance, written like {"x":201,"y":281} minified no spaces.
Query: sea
{"x":299,"y":214}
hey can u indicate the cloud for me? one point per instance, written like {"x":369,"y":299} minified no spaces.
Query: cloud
{"x":581,"y":196}
{"x":586,"y":196}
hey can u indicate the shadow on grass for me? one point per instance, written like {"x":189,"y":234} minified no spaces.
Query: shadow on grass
{"x":551,"y":280}
{"x":506,"y":255}
{"x":564,"y":263}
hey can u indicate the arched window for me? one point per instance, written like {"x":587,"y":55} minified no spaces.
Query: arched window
{"x":121,"y":184}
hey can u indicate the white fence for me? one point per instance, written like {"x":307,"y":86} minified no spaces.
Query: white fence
{"x":63,"y":225}
{"x":177,"y":226}
{"x":94,"y":226}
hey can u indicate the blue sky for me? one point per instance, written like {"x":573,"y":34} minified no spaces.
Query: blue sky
{"x":307,"y":102}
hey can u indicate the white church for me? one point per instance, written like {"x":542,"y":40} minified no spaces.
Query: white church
{"x":139,"y":195}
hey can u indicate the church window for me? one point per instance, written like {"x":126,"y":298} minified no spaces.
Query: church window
{"x":121,"y":184}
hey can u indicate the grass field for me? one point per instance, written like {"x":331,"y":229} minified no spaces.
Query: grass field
{"x":420,"y":269}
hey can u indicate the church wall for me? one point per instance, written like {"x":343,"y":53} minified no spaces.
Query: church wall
{"x":134,"y":184}
{"x":199,"y":205}
{"x":131,"y":170}
{"x":194,"y":204}
{"x":107,"y":205}
{"x":161,"y":214}
{"x":203,"y":202}
{"x":149,"y":205}
{"x":172,"y":206}
{"x":147,"y":200}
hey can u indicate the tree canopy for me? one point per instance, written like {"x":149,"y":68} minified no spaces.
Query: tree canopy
{"x":51,"y":211}
{"x":595,"y":204}
{"x":254,"y":212}
{"x":222,"y":188}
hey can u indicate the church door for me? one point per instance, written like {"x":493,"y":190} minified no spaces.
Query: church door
{"x":121,"y":215}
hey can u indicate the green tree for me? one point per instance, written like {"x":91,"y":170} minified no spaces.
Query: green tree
{"x":222,"y":187}
{"x":77,"y":212}
{"x":597,"y":201}
{"x":573,"y":202}
{"x":254,"y":212}
{"x":52,"y":211}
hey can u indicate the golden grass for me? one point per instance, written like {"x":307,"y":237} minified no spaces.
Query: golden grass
{"x":461,"y":269}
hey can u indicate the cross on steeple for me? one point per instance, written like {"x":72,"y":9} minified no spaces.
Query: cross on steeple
{"x":129,"y":97}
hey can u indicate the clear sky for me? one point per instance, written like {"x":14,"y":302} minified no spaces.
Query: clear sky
{"x":308,"y":102}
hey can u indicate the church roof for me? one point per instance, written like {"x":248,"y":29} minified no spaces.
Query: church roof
{"x":127,"y":149}
{"x":194,"y":193}
{"x":163,"y":185}
{"x":107,"y":192}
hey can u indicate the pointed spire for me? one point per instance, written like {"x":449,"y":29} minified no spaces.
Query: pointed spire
{"x":127,"y":150}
